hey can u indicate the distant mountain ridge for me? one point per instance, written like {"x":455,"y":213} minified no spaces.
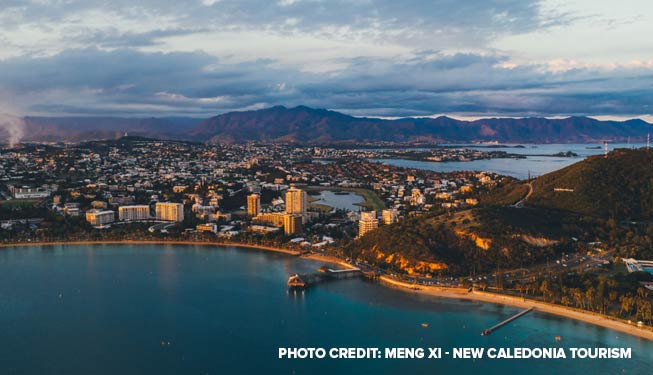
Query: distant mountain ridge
{"x":306,"y":125}
{"x":76,"y":129}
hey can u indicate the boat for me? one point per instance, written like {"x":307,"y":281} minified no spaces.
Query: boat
{"x":558,"y":338}
{"x":425,"y":325}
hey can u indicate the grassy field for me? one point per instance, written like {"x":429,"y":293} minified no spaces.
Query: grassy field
{"x":372,"y":201}
{"x":18,"y":202}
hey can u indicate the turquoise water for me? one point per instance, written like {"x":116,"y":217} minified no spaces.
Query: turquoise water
{"x":111,"y":309}
{"x":536,"y":164}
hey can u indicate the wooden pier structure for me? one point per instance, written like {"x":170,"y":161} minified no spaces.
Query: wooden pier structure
{"x":488,"y":331}
{"x":324,"y":274}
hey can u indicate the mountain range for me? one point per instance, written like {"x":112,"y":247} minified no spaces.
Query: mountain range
{"x":320,"y":126}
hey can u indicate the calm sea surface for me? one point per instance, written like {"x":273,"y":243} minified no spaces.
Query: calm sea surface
{"x":537,"y":164}
{"x":163,"y":309}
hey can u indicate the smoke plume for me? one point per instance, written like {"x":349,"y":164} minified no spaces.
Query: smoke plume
{"x":13,"y":126}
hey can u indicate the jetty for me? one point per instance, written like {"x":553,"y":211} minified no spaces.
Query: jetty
{"x":488,"y":331}
{"x":300,"y":281}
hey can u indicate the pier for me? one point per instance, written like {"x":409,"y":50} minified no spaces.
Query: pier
{"x":488,"y":331}
{"x":324,"y":274}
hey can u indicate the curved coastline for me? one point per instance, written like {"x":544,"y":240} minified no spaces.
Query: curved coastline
{"x":154,"y":242}
{"x":567,"y":312}
{"x":434,"y":291}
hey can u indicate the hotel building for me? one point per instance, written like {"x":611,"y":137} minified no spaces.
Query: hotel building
{"x":389,"y":216}
{"x":292,"y":224}
{"x":167,"y":211}
{"x":99,"y":217}
{"x":272,"y":218}
{"x":367,"y":223}
{"x":134,"y":213}
{"x":296,"y":201}
{"x":253,"y":205}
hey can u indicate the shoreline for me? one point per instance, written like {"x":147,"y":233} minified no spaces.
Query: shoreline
{"x":156,"y":242}
{"x":571,"y":313}
{"x":433,"y":291}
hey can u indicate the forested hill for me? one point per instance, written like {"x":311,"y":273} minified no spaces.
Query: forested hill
{"x":619,"y":186}
{"x":594,"y":200}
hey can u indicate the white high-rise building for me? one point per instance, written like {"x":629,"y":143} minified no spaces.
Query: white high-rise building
{"x":100,"y":217}
{"x":367,"y":223}
{"x":134,"y":213}
{"x":296,"y":201}
{"x":167,"y":211}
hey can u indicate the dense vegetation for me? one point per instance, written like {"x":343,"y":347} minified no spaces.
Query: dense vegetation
{"x":617,"y":187}
{"x":611,"y":292}
{"x":473,"y":241}
{"x":507,"y":191}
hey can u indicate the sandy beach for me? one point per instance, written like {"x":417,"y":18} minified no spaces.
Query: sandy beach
{"x":435,"y":291}
{"x":567,"y":312}
{"x":328,"y":259}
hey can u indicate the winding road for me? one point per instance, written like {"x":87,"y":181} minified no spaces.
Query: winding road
{"x":520,"y":204}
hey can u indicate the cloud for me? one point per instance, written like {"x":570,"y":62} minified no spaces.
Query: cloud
{"x":128,"y":82}
{"x":52,"y":26}
{"x":368,"y":57}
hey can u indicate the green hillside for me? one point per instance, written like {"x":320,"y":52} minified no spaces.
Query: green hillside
{"x":591,"y":201}
{"x":472,"y":241}
{"x":619,"y":186}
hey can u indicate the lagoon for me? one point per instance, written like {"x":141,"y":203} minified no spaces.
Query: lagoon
{"x":172,"y":309}
{"x":536,"y":163}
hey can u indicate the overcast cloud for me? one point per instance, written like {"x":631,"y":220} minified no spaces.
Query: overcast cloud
{"x":364,"y":57}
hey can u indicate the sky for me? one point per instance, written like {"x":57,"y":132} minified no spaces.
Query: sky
{"x":386,"y":58}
